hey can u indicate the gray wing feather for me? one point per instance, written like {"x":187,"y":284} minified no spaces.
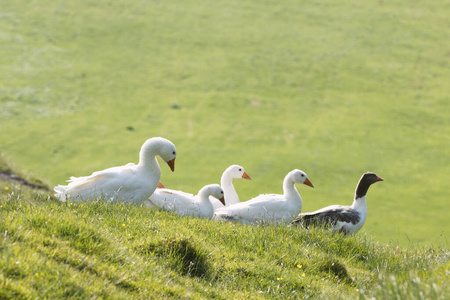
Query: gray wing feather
{"x":226,"y":217}
{"x":328,"y":217}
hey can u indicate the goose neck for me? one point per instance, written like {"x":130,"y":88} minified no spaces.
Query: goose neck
{"x":203,"y":196}
{"x":148,"y":152}
{"x":360,"y":203}
{"x":149,"y":162}
{"x":226,"y":181}
{"x":362,"y":188}
{"x":231,"y":197}
{"x":290,"y":191}
{"x":203,"y":201}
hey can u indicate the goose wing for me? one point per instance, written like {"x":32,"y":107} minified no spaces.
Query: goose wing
{"x":264,"y":208}
{"x":328,"y":216}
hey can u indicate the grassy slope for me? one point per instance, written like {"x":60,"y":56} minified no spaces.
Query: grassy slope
{"x":72,"y":250}
{"x":334,"y":89}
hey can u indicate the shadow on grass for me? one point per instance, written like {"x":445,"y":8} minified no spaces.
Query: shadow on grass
{"x":182,"y":255}
{"x":337,"y":270}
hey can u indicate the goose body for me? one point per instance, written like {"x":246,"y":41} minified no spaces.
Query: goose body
{"x":268,"y":208}
{"x":186,"y":204}
{"x":226,"y":182}
{"x":346,"y":219}
{"x":131,"y":183}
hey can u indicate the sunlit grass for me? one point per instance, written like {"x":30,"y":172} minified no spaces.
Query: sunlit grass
{"x":118,"y":250}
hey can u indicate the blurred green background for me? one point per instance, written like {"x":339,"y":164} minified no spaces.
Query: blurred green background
{"x":332,"y":88}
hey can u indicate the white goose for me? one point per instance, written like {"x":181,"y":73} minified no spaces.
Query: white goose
{"x":226,"y":182}
{"x":346,"y":219}
{"x":186,"y":204}
{"x":132,"y":183}
{"x":272,"y":209}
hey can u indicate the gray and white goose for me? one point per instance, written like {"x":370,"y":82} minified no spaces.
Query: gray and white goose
{"x":346,"y":219}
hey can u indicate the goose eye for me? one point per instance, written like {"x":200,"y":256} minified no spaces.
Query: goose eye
{"x":303,"y":175}
{"x":173,"y":152}
{"x":240,"y":170}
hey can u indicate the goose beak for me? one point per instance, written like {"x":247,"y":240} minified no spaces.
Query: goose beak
{"x":160,"y":185}
{"x":171,"y":164}
{"x":222,"y":200}
{"x":379,"y":178}
{"x":246,"y":176}
{"x":307,"y":182}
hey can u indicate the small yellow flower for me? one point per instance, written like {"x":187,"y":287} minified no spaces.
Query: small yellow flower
{"x":299,"y":266}
{"x":279,"y":278}
{"x":6,"y":188}
{"x":303,"y":274}
{"x":123,"y":225}
{"x":357,"y":290}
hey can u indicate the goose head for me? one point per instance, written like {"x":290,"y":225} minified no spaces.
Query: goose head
{"x":367,"y":179}
{"x":298,"y":176}
{"x":236,"y":171}
{"x":159,"y":146}
{"x":213,"y":190}
{"x":168,"y":154}
{"x":371,"y":177}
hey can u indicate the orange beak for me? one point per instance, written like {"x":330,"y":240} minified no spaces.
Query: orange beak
{"x":171,"y":164}
{"x":307,"y":182}
{"x":379,"y":178}
{"x":246,"y":176}
{"x":160,"y":185}
{"x":222,"y":200}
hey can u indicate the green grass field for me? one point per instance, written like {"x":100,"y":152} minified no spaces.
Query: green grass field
{"x":55,"y":250}
{"x":334,"y":89}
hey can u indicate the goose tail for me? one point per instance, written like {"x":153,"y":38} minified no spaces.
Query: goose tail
{"x":61,"y":192}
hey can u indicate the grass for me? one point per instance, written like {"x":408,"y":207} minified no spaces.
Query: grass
{"x":334,"y":89}
{"x":88,"y":250}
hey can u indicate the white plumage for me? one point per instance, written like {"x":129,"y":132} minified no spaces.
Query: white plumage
{"x":226,"y":182}
{"x":132,"y":183}
{"x":271,"y":209}
{"x":186,"y":204}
